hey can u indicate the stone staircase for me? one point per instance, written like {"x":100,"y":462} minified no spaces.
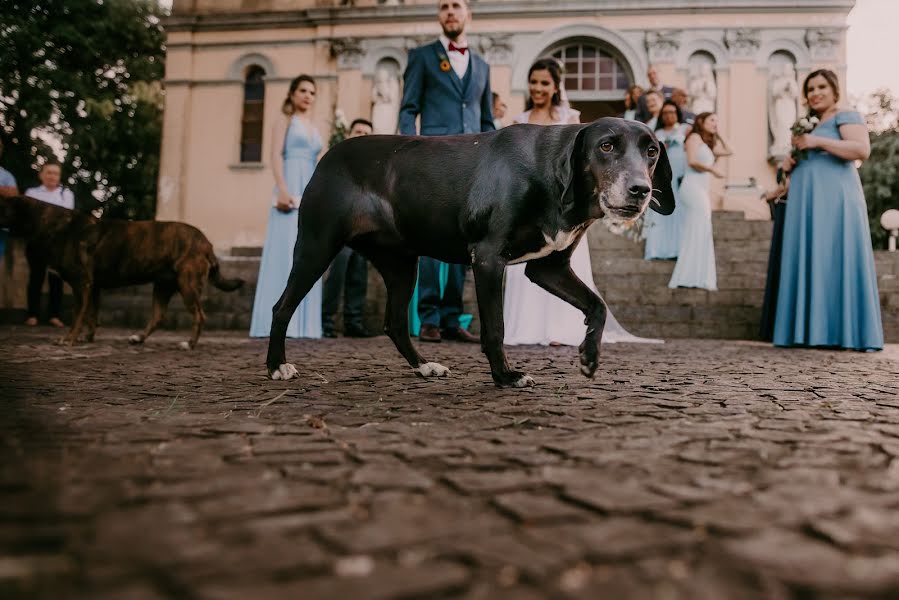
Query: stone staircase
{"x":635,"y":289}
{"x":638,"y":294}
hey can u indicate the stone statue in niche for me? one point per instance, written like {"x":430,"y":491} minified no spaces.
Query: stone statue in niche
{"x":783,"y":97}
{"x":385,"y":99}
{"x":702,"y":89}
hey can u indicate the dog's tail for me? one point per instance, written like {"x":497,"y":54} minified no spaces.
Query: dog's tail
{"x":222,"y":283}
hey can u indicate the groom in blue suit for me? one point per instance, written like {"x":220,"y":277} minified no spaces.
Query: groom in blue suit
{"x":448,"y":86}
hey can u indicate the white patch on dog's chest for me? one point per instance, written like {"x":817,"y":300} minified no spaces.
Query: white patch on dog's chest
{"x":560,"y":241}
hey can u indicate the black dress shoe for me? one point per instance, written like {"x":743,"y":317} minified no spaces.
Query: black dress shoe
{"x":357,"y":332}
{"x":429,"y":333}
{"x":457,"y":334}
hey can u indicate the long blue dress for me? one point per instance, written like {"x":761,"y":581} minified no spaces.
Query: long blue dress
{"x":828,"y":284}
{"x":663,"y":232}
{"x":696,"y":254}
{"x":302,"y":143}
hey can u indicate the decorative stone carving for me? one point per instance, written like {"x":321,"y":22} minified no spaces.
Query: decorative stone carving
{"x":822,"y":43}
{"x":742,"y":43}
{"x":385,"y":98}
{"x":496,"y":48}
{"x":783,"y":107}
{"x":662,"y":46}
{"x":414,"y":41}
{"x":702,"y":89}
{"x":348,"y":52}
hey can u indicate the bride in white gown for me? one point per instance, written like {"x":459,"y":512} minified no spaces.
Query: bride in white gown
{"x":532,"y":315}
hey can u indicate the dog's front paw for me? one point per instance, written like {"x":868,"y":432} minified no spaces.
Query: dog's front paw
{"x":184,"y":346}
{"x":524,"y":381}
{"x":285,"y":372}
{"x":65,"y":340}
{"x":431,"y":369}
{"x":135,"y":339}
{"x":589,"y":358}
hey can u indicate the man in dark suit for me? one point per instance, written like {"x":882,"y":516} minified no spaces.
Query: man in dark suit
{"x":448,"y":86}
{"x":348,"y":273}
{"x":655,"y":84}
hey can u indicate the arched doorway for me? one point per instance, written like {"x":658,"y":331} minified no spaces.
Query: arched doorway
{"x":596,"y":77}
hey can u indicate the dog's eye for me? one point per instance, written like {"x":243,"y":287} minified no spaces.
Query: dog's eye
{"x":606,"y":147}
{"x":652,"y":152}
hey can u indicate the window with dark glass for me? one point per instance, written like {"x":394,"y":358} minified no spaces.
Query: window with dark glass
{"x":251,"y":122}
{"x":591,"y":69}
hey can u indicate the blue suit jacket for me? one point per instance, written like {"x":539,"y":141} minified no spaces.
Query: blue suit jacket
{"x":447,"y":105}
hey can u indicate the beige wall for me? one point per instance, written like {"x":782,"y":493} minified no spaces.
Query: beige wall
{"x":202,"y":182}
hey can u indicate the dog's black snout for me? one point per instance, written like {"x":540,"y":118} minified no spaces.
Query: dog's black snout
{"x":639,"y":189}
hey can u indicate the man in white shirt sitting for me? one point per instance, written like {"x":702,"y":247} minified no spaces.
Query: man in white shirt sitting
{"x":52,"y":192}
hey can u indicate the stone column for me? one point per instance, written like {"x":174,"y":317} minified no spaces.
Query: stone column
{"x":352,"y":93}
{"x":742,"y":115}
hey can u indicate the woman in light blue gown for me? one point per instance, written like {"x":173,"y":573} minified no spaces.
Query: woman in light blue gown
{"x":695,"y":266}
{"x":663,"y":233}
{"x":828,"y":285}
{"x":295,"y":147}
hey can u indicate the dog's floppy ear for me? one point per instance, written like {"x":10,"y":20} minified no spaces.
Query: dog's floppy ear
{"x":568,"y":162}
{"x":662,"y":194}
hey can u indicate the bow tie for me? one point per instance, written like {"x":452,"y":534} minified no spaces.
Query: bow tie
{"x":460,"y":49}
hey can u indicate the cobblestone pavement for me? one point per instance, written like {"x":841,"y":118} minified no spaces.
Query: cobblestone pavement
{"x":695,"y":469}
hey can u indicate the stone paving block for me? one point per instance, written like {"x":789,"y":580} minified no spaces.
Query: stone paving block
{"x":385,"y":583}
{"x":616,"y":497}
{"x":483,"y":482}
{"x":390,"y":476}
{"x":816,"y":565}
{"x":531,"y":508}
{"x":275,"y":497}
{"x":622,"y":538}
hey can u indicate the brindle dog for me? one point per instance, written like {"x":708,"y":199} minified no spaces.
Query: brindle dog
{"x":91,"y":254}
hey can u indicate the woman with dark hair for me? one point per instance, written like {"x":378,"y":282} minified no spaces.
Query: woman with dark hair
{"x":532,"y":315}
{"x":695,"y":266}
{"x":777,"y":200}
{"x":544,"y":105}
{"x":663,"y":233}
{"x":828,"y":285}
{"x":295,"y":147}
{"x":630,"y":102}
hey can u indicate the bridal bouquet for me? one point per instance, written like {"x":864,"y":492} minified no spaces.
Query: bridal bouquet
{"x":801,"y":127}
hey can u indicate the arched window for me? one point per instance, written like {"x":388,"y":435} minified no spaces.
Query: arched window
{"x":253,"y":109}
{"x":593,"y":70}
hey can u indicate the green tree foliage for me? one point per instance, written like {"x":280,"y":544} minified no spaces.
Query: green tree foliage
{"x":880,"y":173}
{"x":83,"y":77}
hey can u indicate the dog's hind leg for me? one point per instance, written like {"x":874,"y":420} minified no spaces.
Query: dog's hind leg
{"x":92,"y":315}
{"x":311,"y":257}
{"x":399,"y":272}
{"x":162,"y":294}
{"x":190,"y":284}
{"x":553,"y":273}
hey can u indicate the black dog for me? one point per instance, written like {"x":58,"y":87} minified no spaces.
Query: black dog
{"x":525,"y":193}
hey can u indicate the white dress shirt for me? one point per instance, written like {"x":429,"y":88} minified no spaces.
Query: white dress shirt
{"x":458,"y":60}
{"x":61,"y":196}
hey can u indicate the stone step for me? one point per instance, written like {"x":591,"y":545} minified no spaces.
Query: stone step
{"x":246,"y":251}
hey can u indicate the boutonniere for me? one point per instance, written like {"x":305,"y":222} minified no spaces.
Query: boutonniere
{"x":444,"y":63}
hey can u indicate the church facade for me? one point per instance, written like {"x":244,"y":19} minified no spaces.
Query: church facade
{"x":229,"y":63}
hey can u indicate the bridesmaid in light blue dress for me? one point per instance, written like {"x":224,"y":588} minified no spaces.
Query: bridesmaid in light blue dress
{"x":828,"y":285}
{"x":695,"y":266}
{"x":663,"y":232}
{"x":296,"y":145}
